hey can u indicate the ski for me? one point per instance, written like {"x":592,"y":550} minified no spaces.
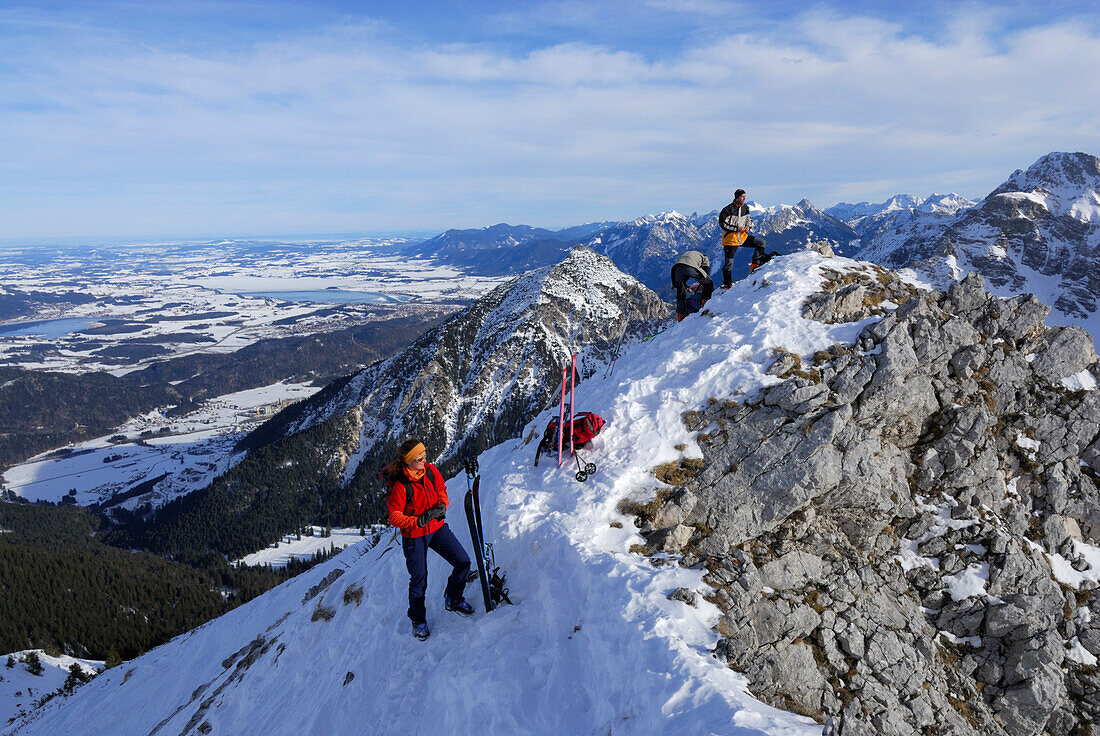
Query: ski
{"x":472,"y":504}
{"x":561,"y":418}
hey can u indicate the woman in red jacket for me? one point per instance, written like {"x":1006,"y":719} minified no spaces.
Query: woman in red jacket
{"x":417,"y":506}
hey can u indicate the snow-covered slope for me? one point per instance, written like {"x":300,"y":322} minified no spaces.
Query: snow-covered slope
{"x":593,"y":644}
{"x":1038,"y":232}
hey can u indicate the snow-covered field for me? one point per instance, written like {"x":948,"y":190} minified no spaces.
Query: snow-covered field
{"x":181,"y":298}
{"x":290,"y":547}
{"x":189,"y":452}
{"x":593,"y":644}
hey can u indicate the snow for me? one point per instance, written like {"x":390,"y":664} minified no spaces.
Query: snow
{"x":1082,"y":381}
{"x":970,"y":641}
{"x":1027,"y":444}
{"x":909,"y":558}
{"x":969,"y":582}
{"x":1077,"y":653}
{"x":593,"y":644}
{"x":1063,"y":571}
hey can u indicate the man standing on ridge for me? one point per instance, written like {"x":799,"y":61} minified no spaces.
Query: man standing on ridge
{"x":691,"y":265}
{"x":736,"y":223}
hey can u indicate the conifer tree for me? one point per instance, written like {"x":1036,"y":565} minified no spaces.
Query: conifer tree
{"x":33,"y":663}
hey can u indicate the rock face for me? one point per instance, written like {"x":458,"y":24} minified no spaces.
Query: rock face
{"x":897,"y":534}
{"x":1037,"y":232}
{"x":477,"y":379}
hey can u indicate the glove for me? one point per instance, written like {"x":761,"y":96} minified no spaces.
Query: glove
{"x":435,"y":512}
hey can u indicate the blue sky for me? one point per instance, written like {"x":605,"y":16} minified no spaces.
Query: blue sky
{"x":132,"y":119}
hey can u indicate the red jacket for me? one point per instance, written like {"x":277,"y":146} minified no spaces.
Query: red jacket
{"x":426,"y":492}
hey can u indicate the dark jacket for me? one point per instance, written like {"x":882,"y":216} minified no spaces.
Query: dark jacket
{"x":734,"y":217}
{"x":426,"y":492}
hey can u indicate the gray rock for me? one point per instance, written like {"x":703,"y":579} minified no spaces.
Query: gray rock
{"x":685,"y":595}
{"x":915,"y":438}
{"x":713,"y":545}
{"x":968,"y":298}
{"x":784,"y":363}
{"x":797,"y":399}
{"x":675,"y":509}
{"x":792,"y":570}
{"x":1070,"y":351}
{"x":1021,"y":316}
{"x":1026,"y":708}
{"x":822,"y":247}
{"x":670,"y":539}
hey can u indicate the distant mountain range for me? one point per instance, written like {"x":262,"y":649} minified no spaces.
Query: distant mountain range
{"x":1036,"y":233}
{"x":502,"y":248}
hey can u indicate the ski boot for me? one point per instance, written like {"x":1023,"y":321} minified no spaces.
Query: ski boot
{"x":460,"y":606}
{"x":420,"y":630}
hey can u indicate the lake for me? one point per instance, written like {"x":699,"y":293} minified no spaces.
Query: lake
{"x":47,"y":328}
{"x":326,"y":296}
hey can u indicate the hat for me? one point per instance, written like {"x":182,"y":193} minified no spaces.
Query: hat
{"x":738,"y":193}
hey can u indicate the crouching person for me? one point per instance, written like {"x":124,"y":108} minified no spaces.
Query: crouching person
{"x":691,"y":265}
{"x":417,"y":506}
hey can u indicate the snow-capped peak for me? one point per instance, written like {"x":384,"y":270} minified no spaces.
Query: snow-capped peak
{"x":944,"y":204}
{"x":662,"y":218}
{"x":1063,"y":183}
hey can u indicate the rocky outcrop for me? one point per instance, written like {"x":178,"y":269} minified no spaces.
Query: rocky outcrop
{"x":899,"y":535}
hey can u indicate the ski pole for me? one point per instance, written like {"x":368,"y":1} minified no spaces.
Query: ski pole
{"x":618,"y":345}
{"x":572,"y":399}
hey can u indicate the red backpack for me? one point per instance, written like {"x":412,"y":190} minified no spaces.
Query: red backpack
{"x":586,"y":425}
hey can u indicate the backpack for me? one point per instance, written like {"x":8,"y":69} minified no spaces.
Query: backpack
{"x":694,"y":300}
{"x":586,"y":425}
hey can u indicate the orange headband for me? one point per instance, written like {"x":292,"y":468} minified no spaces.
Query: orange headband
{"x":419,"y":448}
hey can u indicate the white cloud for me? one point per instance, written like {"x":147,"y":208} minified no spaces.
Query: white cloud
{"x":350,"y":128}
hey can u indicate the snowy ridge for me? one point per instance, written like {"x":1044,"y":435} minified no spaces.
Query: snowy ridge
{"x":594,"y":644}
{"x":20,"y":689}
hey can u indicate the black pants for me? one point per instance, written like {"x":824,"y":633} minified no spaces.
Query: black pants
{"x":681,"y":272}
{"x":757,"y":244}
{"x":444,"y":542}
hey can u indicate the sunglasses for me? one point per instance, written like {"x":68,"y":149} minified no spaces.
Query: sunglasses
{"x":418,"y":460}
